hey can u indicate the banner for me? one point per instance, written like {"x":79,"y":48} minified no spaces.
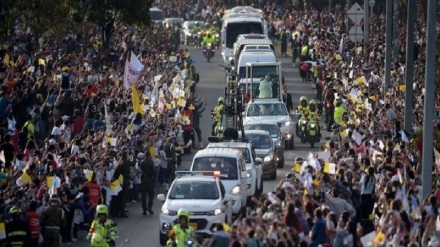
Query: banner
{"x":131,"y":74}
{"x":137,"y":106}
{"x":137,"y":65}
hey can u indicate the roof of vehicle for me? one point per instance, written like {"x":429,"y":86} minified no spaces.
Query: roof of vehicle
{"x":251,"y":36}
{"x":243,"y":18}
{"x":229,"y":144}
{"x":187,"y":178}
{"x":218,"y":152}
{"x":256,"y":132}
{"x":258,"y":122}
{"x":265,"y":101}
{"x":155,"y":8}
{"x":177,"y":19}
{"x":257,"y":48}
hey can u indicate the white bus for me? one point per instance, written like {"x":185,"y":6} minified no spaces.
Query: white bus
{"x":233,"y":26}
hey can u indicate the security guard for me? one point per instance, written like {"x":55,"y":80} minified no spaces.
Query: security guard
{"x":218,"y":116}
{"x":313,"y":110}
{"x":183,"y":232}
{"x":17,"y":233}
{"x":339,"y":111}
{"x":147,"y":181}
{"x":170,"y":152}
{"x":303,"y":107}
{"x":51,"y":222}
{"x":102,"y":228}
{"x":208,"y":39}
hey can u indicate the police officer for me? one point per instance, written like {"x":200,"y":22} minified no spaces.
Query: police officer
{"x":103,"y":230}
{"x":17,"y":233}
{"x":123,"y":169}
{"x":218,"y":116}
{"x":147,"y":181}
{"x":170,"y":152}
{"x":183,"y":232}
{"x":51,"y":222}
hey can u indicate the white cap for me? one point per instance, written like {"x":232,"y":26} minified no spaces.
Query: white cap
{"x":140,"y":156}
{"x":53,"y":142}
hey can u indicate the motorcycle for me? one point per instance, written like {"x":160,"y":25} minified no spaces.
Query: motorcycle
{"x":301,"y":127}
{"x":313,"y":134}
{"x":308,"y":130}
{"x":209,"y":51}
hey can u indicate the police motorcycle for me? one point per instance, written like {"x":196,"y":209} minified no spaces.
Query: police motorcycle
{"x":308,"y":130}
{"x":209,"y":51}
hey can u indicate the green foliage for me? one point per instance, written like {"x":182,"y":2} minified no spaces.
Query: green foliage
{"x":58,"y":16}
{"x":418,"y":136}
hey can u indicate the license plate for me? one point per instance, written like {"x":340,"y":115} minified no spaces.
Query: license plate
{"x":193,"y":225}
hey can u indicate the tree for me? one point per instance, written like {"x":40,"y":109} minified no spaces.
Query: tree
{"x":58,"y":16}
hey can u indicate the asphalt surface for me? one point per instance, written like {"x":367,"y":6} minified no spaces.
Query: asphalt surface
{"x":139,"y":230}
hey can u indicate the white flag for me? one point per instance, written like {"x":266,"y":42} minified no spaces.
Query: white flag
{"x":108,"y":124}
{"x":131,"y":74}
{"x":404,"y":137}
{"x":136,"y":63}
{"x":341,"y":45}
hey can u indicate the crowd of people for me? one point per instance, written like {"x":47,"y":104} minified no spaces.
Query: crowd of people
{"x":72,"y":142}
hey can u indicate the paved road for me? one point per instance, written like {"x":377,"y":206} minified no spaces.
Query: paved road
{"x":138,"y":230}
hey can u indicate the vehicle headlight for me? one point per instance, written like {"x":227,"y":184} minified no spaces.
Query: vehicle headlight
{"x":235,"y":190}
{"x":217,"y":211}
{"x":168,"y":212}
{"x":249,"y":174}
{"x":287,"y":123}
{"x":268,"y":158}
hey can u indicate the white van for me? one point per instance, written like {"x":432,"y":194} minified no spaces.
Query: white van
{"x":156,"y":15}
{"x":254,"y":56}
{"x":232,"y":166}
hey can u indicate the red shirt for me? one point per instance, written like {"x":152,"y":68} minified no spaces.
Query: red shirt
{"x":78,"y":125}
{"x":94,"y":193}
{"x":188,"y":126}
{"x":33,"y":224}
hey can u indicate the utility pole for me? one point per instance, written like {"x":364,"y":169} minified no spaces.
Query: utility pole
{"x":428,"y":123}
{"x":366,"y":24}
{"x":389,"y":43}
{"x":409,"y":68}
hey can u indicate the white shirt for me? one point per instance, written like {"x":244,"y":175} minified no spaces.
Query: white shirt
{"x":56,"y":131}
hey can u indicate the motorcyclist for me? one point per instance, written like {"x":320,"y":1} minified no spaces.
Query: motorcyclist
{"x":339,"y":111}
{"x":182,"y":231}
{"x":208,"y":39}
{"x":218,"y":115}
{"x":313,"y":113}
{"x":303,"y":107}
{"x":102,"y":228}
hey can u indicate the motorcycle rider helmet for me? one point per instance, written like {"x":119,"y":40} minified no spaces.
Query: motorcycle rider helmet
{"x":15,"y":211}
{"x":335,"y":127}
{"x":303,"y":101}
{"x":330,"y":84}
{"x":221,"y":100}
{"x":183,"y":213}
{"x":289,"y":175}
{"x":102,"y":209}
{"x":312,"y":103}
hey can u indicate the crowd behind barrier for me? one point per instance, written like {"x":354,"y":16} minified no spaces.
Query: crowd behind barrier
{"x":66,"y":114}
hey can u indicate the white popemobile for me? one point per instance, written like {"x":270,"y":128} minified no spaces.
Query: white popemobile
{"x":203,"y":195}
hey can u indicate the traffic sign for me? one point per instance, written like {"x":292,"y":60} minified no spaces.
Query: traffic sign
{"x":356,"y":34}
{"x":356,"y":13}
{"x":371,"y":3}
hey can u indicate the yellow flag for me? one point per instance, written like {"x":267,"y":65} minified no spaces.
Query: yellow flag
{"x":297,"y":167}
{"x":6,"y":59}
{"x":327,"y":167}
{"x":121,"y":179}
{"x":137,"y":107}
{"x":185,"y":118}
{"x":117,"y":83}
{"x":373,"y":98}
{"x":109,"y":140}
{"x":402,"y":88}
{"x":191,"y":107}
{"x":49,"y":181}
{"x":41,"y":62}
{"x":379,"y":237}
{"x":89,"y":176}
{"x":168,"y":106}
{"x":114,"y":185}
{"x":152,"y":152}
{"x":180,"y":102}
{"x":26,"y":177}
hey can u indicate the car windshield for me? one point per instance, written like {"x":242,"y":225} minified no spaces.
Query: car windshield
{"x":271,"y":128}
{"x":226,"y":166}
{"x":259,"y":141}
{"x":275,"y":109}
{"x":156,"y":15}
{"x":202,"y":190}
{"x":235,"y":29}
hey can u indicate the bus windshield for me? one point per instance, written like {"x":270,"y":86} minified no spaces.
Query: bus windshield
{"x":235,"y":29}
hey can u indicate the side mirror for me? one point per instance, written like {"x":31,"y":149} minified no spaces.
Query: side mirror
{"x":243,"y":175}
{"x":278,"y":145}
{"x":161,"y":197}
{"x":258,"y":161}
